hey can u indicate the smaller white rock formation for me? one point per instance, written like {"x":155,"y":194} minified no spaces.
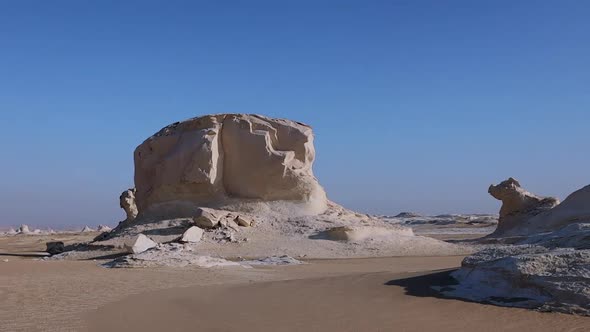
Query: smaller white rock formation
{"x":192,"y":235}
{"x":104,"y":228}
{"x":518,"y":206}
{"x":23,"y":229}
{"x":11,"y":231}
{"x":140,"y":244}
{"x":127,"y":203}
{"x":87,"y":229}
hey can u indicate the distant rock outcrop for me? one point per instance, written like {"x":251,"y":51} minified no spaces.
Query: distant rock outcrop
{"x":225,"y":159}
{"x":518,"y":206}
{"x":23,"y":229}
{"x":87,"y":229}
{"x":104,"y":228}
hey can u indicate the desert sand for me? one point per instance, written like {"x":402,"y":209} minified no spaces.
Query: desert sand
{"x":372,"y":294}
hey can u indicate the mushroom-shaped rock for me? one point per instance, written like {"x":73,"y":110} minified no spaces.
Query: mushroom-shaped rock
{"x":23,"y":229}
{"x":140,"y":244}
{"x":217,"y":159}
{"x":192,"y":235}
{"x":518,"y":206}
{"x":127,"y":203}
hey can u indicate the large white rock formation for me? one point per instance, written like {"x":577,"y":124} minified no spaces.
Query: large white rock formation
{"x":219,"y":159}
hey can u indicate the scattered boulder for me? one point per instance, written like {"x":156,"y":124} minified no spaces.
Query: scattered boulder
{"x":55,"y":247}
{"x":127,"y":203}
{"x":243,"y":221}
{"x":207,"y":218}
{"x":140,"y":244}
{"x":518,"y":206}
{"x":192,"y":235}
{"x":213,"y":159}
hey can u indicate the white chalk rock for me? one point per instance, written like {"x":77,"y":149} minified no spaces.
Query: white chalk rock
{"x":216,"y":158}
{"x":525,"y":214}
{"x":243,"y":221}
{"x":104,"y":228}
{"x":518,"y":206}
{"x":192,"y":235}
{"x":362,"y":233}
{"x":11,"y":231}
{"x":23,"y":229}
{"x":207,"y":218}
{"x":140,"y":244}
{"x":87,"y":229}
{"x":127,"y":203}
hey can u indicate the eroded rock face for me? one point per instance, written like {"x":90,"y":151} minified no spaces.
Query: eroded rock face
{"x":127,"y":203}
{"x":518,"y":206}
{"x":213,"y":159}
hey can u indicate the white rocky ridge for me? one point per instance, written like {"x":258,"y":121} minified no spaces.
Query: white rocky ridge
{"x":528,"y":277}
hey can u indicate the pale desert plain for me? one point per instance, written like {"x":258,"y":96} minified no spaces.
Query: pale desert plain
{"x":227,"y":229}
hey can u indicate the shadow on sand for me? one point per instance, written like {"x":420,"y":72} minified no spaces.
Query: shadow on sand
{"x":29,"y":254}
{"x":422,"y":286}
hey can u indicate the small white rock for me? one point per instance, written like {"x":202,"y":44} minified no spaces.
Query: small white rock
{"x":140,"y":244}
{"x":192,"y":235}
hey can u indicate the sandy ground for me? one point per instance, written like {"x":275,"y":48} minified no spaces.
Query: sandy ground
{"x":373,"y":294}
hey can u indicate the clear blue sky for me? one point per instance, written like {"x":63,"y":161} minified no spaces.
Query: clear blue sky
{"x":416,"y":105}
